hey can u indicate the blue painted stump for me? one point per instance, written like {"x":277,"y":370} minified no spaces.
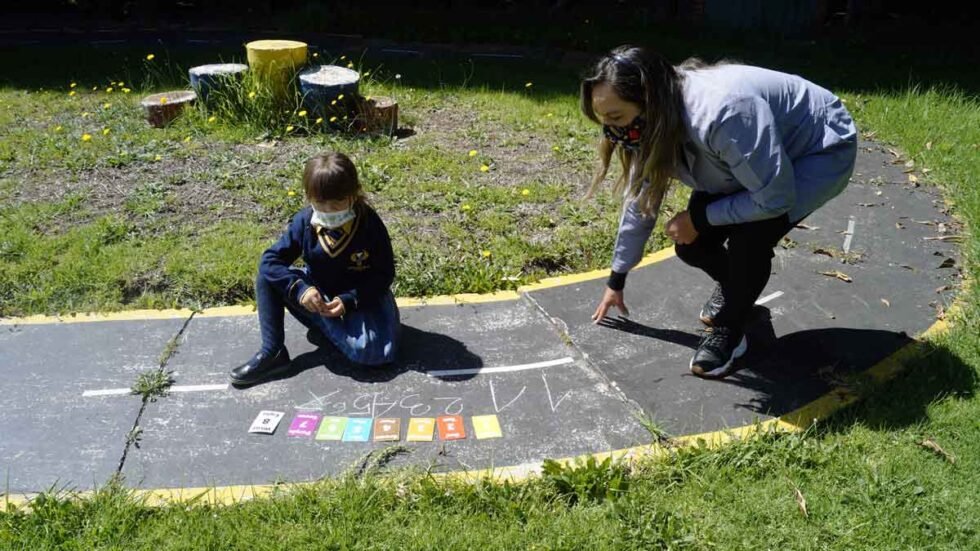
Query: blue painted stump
{"x":330,"y":91}
{"x":214,"y":77}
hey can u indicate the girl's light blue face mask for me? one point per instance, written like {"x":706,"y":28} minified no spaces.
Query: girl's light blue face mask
{"x":332,"y":219}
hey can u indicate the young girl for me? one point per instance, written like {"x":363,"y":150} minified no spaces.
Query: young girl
{"x":761,"y":150}
{"x":343,"y":291}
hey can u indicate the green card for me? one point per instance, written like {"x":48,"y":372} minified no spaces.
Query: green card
{"x":331,"y":428}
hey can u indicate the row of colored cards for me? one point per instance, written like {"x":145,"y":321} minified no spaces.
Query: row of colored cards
{"x":365,"y":429}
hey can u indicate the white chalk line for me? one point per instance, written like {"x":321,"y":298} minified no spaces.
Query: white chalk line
{"x":175,"y":388}
{"x":848,"y":235}
{"x":769,"y":297}
{"x":501,"y":369}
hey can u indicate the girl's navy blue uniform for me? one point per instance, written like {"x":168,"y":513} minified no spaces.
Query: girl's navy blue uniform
{"x":354,"y":263}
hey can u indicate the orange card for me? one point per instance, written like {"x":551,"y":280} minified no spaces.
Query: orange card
{"x":386,"y":430}
{"x":451,"y":427}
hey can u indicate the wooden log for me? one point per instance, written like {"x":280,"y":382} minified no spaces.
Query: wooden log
{"x":330,"y":91}
{"x":164,"y":107}
{"x":378,"y":115}
{"x":215,"y":77}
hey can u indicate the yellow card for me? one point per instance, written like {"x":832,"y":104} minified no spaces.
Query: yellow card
{"x":486,"y":426}
{"x":420,"y":429}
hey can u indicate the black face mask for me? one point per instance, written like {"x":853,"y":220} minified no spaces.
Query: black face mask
{"x":626,"y":136}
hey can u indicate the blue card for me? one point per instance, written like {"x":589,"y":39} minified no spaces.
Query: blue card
{"x":358,"y":429}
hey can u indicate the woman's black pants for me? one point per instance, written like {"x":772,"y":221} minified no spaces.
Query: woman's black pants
{"x":742,"y":267}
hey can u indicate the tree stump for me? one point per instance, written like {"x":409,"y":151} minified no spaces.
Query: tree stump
{"x":164,"y":107}
{"x":215,"y":77}
{"x":331,"y":91}
{"x":379,"y":115}
{"x":275,"y":63}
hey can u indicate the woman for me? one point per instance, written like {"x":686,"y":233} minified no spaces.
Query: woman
{"x":760,"y":149}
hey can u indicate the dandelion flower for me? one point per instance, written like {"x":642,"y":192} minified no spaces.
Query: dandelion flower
{"x":157,"y":158}
{"x":529,"y":84}
{"x":343,"y":57}
{"x":302,"y":113}
{"x":105,"y":131}
{"x":319,"y":120}
{"x":333,"y":119}
{"x":251,"y":95}
{"x":484,"y":168}
{"x":106,"y":105}
{"x":73,"y":84}
{"x":525,"y":192}
{"x":554,"y":148}
{"x":290,"y":193}
{"x":150,"y":57}
{"x":57,"y":128}
{"x":212,"y":118}
{"x":108,"y":90}
{"x":486,"y":254}
{"x":86,"y":137}
{"x":367,"y":74}
{"x":341,"y":96}
{"x":316,"y":54}
{"x":120,"y":83}
{"x":85,"y":114}
{"x":472,"y":153}
{"x":163,"y":100}
{"x":187,"y":139}
{"x":350,"y":65}
{"x":333,"y":102}
{"x":289,"y":128}
{"x":398,"y":76}
{"x":550,"y":115}
{"x":126,"y":90}
{"x":465,"y":207}
{"x":71,"y":94}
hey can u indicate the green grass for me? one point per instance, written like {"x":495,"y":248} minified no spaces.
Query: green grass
{"x":866,"y":477}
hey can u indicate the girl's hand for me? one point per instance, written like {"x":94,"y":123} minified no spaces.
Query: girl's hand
{"x":334,"y":308}
{"x":609,"y":299}
{"x":312,"y":301}
{"x":680,"y":228}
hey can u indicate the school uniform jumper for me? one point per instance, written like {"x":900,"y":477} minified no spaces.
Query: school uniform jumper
{"x":763,"y":150}
{"x":353,"y":262}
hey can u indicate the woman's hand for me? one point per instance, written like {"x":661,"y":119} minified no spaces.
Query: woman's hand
{"x":680,"y":228}
{"x":609,"y":299}
{"x":334,"y":308}
{"x":312,"y":301}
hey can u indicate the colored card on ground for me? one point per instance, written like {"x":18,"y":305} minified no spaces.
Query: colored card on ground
{"x":486,"y":426}
{"x":303,"y":425}
{"x":331,"y":428}
{"x":266,"y":422}
{"x":420,"y":429}
{"x":451,"y":427}
{"x":358,"y":429}
{"x":387,"y":430}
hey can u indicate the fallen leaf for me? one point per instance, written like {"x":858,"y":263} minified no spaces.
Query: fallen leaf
{"x":948,"y":263}
{"x":801,"y":502}
{"x":869,"y":135}
{"x":926,"y":170}
{"x":803,"y":226}
{"x":907,"y":267}
{"x":899,"y":226}
{"x":909,"y":163}
{"x":924,"y":222}
{"x":943,"y":288}
{"x":941,"y":228}
{"x":913,"y":179}
{"x":879,"y":192}
{"x":931,"y":445}
{"x":945,"y":238}
{"x":839,"y":275}
{"x":868,"y":204}
{"x":886,"y":303}
{"x":893,"y":152}
{"x":826,"y":252}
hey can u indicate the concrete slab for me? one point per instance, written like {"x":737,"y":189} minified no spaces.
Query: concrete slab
{"x":200,"y":439}
{"x":52,"y":436}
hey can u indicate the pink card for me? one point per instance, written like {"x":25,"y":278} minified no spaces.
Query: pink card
{"x":304,"y":425}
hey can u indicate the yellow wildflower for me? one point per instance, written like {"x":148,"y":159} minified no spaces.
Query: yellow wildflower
{"x":251,"y":95}
{"x":212,"y":118}
{"x":187,"y":139}
{"x":290,"y":193}
{"x":554,"y":148}
{"x":472,"y":153}
{"x":484,"y":168}
{"x":57,"y":128}
{"x":289,"y":128}
{"x":333,"y":119}
{"x":71,"y":94}
{"x":319,"y":120}
{"x":341,"y":96}
{"x":163,"y":100}
{"x":157,"y":158}
{"x":334,"y":102}
{"x":86,"y":137}
{"x":106,"y":105}
{"x":108,"y":90}
{"x":302,"y":113}
{"x":465,"y":207}
{"x":126,"y":90}
{"x":529,"y":84}
{"x":525,"y":192}
{"x":343,"y":57}
{"x":486,"y":254}
{"x":350,"y":65}
{"x":150,"y":57}
{"x":105,"y":131}
{"x":73,"y":84}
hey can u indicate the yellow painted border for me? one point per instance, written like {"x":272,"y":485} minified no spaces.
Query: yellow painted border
{"x":403,"y":302}
{"x":794,"y":421}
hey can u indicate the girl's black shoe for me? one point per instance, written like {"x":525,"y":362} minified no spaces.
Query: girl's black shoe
{"x":716,"y":355}
{"x":261,"y":367}
{"x":711,"y":308}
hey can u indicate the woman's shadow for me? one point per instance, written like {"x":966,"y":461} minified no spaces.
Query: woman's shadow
{"x":419,"y":350}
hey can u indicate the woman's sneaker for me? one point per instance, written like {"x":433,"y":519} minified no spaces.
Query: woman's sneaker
{"x":711,"y":308}
{"x":716,"y":355}
{"x":261,"y":367}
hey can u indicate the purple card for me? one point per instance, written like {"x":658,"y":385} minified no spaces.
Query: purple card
{"x":303,"y":424}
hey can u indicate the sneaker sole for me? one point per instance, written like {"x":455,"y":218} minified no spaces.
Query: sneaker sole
{"x":724,"y":370}
{"x":707,"y":320}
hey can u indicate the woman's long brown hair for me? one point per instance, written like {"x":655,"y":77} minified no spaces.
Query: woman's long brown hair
{"x":646,"y":78}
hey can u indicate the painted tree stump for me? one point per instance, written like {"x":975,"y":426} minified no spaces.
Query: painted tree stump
{"x":330,"y":91}
{"x":215,"y":77}
{"x":379,"y":115}
{"x":275,"y":62}
{"x":164,"y":107}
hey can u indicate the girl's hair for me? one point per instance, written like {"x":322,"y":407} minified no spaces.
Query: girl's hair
{"x":331,"y":176}
{"x":644,"y":77}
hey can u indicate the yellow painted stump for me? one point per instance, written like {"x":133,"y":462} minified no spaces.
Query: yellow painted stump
{"x":275,"y":62}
